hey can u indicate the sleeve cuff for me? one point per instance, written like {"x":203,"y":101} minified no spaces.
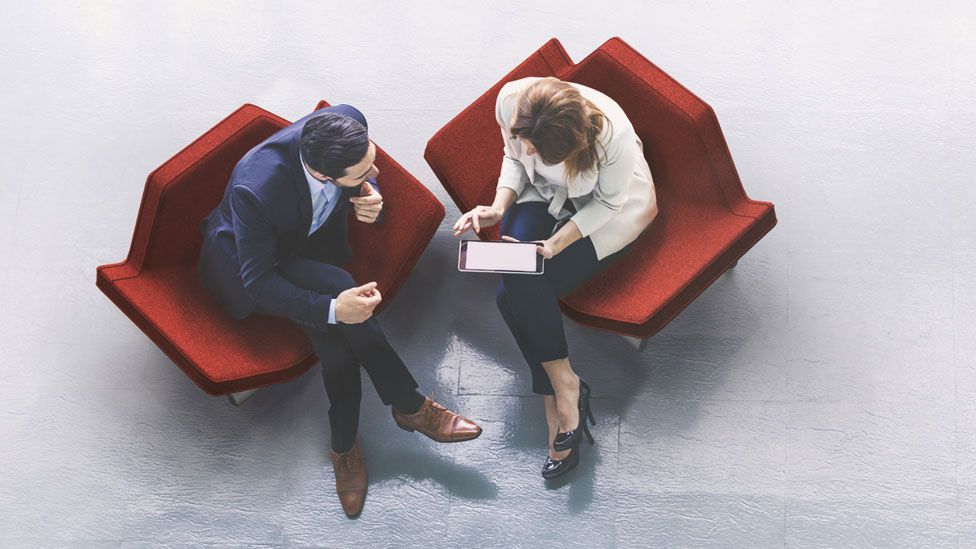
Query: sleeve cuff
{"x":515,"y":187}
{"x":591,"y":217}
{"x":332,"y":318}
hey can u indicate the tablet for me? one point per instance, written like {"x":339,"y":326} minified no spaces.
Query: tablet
{"x":499,"y":256}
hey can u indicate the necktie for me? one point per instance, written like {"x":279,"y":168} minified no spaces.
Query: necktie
{"x":318,"y":210}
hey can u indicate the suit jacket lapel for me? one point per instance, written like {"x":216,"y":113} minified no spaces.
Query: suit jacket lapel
{"x":343,"y":196}
{"x":301,"y":188}
{"x":305,"y":204}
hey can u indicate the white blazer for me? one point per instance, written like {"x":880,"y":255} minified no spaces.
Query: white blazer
{"x":614,"y":204}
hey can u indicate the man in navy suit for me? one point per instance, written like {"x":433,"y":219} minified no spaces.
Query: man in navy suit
{"x":274,"y":246}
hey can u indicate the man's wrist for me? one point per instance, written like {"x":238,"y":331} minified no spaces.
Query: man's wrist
{"x":332,"y":311}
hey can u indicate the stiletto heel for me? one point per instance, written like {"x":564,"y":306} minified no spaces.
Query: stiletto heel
{"x":570,"y":439}
{"x":586,"y":430}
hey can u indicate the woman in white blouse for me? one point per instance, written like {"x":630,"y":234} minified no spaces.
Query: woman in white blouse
{"x":575,"y":181}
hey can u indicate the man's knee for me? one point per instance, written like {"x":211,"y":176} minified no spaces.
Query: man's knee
{"x":340,"y":278}
{"x":317,"y":276}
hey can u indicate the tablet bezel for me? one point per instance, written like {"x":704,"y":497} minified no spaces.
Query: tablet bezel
{"x":462,"y":250}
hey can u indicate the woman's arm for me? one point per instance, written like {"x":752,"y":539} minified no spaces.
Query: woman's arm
{"x":566,"y":235}
{"x":513,"y":175}
{"x":511,"y":180}
{"x":486,"y":216}
{"x":504,"y":197}
{"x":612,"y":185}
{"x":609,"y":195}
{"x":561,"y":239}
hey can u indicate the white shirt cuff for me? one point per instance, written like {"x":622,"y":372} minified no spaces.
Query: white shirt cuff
{"x":332,"y":319}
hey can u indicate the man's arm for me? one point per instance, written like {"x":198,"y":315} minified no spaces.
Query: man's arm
{"x":256,"y":244}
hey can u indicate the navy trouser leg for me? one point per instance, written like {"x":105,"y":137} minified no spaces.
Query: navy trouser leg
{"x":540,"y":380}
{"x":342,"y":348}
{"x":530,"y":303}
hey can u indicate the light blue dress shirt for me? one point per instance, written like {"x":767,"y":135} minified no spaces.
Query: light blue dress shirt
{"x":323,"y":202}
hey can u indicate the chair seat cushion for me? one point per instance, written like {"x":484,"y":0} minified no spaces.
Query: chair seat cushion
{"x":660,"y":267}
{"x":220,"y":354}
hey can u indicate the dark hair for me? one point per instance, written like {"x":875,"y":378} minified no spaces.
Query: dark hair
{"x":332,"y":142}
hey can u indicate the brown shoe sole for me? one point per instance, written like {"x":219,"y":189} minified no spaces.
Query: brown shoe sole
{"x":445,"y":440}
{"x":360,"y":510}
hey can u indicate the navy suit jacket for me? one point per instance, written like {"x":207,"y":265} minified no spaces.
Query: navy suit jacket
{"x":263,"y":220}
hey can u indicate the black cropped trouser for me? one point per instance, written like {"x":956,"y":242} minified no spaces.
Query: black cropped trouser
{"x":529,"y":303}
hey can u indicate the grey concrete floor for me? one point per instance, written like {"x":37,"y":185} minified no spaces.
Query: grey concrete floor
{"x":821,"y":394}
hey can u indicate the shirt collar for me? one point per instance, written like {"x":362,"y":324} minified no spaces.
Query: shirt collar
{"x":314,"y":185}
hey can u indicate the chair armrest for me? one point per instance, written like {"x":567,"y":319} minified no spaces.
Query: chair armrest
{"x":721,"y":169}
{"x":466,"y":154}
{"x":189,"y":185}
{"x":388,"y":251}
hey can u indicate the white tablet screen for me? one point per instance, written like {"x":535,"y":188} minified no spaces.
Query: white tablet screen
{"x":500,"y":256}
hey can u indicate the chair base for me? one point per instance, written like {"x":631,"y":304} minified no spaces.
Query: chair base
{"x":240,"y":398}
{"x":639,"y":344}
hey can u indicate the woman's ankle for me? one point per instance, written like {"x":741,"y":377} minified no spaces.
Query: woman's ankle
{"x":566,"y":383}
{"x":553,"y":454}
{"x":568,"y":418}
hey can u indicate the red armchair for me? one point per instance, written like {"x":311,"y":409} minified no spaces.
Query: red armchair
{"x":156,"y":286}
{"x":706,"y":221}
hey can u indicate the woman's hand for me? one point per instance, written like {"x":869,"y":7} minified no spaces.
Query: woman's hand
{"x":546,"y":248}
{"x":479,"y":217}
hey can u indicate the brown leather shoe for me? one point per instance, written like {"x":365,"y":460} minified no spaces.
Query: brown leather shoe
{"x":350,"y":475}
{"x":437,"y":422}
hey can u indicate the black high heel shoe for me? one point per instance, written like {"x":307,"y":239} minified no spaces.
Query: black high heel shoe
{"x":552,"y":468}
{"x":570,"y":439}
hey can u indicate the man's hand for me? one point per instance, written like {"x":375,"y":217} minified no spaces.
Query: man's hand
{"x":356,"y":305}
{"x":368,"y":205}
